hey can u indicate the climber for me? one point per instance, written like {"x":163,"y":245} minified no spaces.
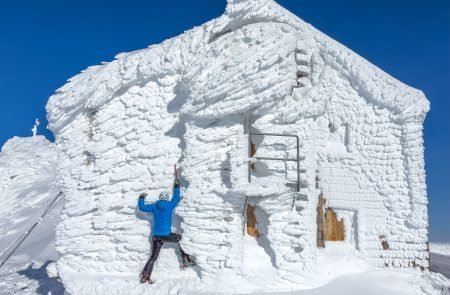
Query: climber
{"x":162,"y":229}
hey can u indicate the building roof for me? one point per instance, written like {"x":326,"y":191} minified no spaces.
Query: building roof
{"x":98,"y":84}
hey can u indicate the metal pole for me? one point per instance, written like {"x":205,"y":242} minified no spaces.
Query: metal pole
{"x":298,"y":164}
{"x":244,"y":221}
{"x":249,"y":156}
{"x":28,"y":232}
{"x":274,"y":134}
{"x":276,"y":159}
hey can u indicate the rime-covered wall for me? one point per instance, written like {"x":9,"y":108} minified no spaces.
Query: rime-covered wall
{"x":192,"y":100}
{"x":357,"y":153}
{"x":115,"y":152}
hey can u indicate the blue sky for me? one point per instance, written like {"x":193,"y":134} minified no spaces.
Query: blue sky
{"x":45,"y":42}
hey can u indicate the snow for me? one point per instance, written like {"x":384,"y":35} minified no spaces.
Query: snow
{"x":27,"y":170}
{"x":440,"y":248}
{"x":35,"y":127}
{"x":375,"y":282}
{"x":27,"y":175}
{"x":440,"y":258}
{"x":257,"y":265}
{"x":339,"y":266}
{"x":193,"y":100}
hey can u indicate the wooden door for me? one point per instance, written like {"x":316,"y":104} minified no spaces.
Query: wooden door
{"x":334,"y":229}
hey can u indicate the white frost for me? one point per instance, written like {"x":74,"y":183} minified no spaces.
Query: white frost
{"x":27,"y":186}
{"x":35,"y":127}
{"x":193,"y":99}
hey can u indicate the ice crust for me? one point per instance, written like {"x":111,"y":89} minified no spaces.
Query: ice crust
{"x":27,"y":177}
{"x":193,"y":99}
{"x":440,"y":248}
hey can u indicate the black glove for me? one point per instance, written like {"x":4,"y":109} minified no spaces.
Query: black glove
{"x":176,"y":183}
{"x":143,"y":195}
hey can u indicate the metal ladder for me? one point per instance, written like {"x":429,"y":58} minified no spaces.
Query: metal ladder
{"x":297,"y":159}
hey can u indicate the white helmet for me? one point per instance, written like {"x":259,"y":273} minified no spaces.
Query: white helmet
{"x":164,"y":196}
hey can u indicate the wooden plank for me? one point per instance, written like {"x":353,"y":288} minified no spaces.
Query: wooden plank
{"x":252,"y":228}
{"x":252,"y":153}
{"x":334,"y":229}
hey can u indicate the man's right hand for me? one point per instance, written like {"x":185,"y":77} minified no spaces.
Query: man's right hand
{"x":143,"y":195}
{"x":176,"y":183}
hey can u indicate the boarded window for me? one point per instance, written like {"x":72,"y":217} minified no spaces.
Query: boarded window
{"x":252,"y":229}
{"x":334,"y":229}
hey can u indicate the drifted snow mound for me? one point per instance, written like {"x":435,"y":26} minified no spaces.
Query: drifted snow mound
{"x":440,"y":258}
{"x":121,"y":126}
{"x":440,"y":248}
{"x":27,"y":186}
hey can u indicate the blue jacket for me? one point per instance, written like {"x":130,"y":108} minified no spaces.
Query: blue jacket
{"x":162,"y":212}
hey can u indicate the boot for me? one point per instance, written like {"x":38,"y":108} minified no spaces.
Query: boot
{"x":145,"y":279}
{"x":188,"y":262}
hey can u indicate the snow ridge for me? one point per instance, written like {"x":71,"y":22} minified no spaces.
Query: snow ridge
{"x":27,"y":171}
{"x":28,"y":184}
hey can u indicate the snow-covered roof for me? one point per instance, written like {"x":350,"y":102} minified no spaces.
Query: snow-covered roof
{"x":178,"y":56}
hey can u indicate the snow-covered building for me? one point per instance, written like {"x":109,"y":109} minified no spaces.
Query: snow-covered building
{"x":281,"y":134}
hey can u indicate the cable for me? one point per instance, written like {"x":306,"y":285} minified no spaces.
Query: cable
{"x":28,"y":232}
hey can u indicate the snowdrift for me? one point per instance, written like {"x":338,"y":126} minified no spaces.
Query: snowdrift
{"x":28,"y":184}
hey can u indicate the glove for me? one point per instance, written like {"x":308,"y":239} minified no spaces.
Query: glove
{"x":143,"y":195}
{"x":176,"y":183}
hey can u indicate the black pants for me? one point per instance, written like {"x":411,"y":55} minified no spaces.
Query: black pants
{"x":158,"y":242}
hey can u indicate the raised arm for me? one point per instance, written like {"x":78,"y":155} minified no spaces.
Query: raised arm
{"x":143,"y":206}
{"x":176,"y":195}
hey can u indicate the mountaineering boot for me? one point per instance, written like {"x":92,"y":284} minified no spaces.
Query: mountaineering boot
{"x":188,"y":262}
{"x":145,"y":279}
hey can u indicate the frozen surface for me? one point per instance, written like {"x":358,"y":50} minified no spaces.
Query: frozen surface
{"x":440,"y":248}
{"x":27,"y":175}
{"x":27,"y":171}
{"x":193,"y":99}
{"x":375,"y":282}
{"x":440,"y":258}
{"x":339,"y":268}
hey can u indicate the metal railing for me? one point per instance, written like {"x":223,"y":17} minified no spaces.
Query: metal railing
{"x":274,"y":159}
{"x":25,"y":235}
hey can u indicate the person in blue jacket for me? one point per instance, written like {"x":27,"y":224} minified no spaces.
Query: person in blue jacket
{"x":162,"y":229}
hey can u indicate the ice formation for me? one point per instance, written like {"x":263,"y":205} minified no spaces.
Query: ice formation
{"x":27,"y":176}
{"x":440,"y":248}
{"x":27,"y":186}
{"x":194,"y":99}
{"x":35,"y":127}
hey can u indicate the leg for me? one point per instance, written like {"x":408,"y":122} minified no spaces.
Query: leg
{"x":183,"y":254}
{"x":176,"y":238}
{"x":157,"y":244}
{"x":172,"y":238}
{"x":187,"y":260}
